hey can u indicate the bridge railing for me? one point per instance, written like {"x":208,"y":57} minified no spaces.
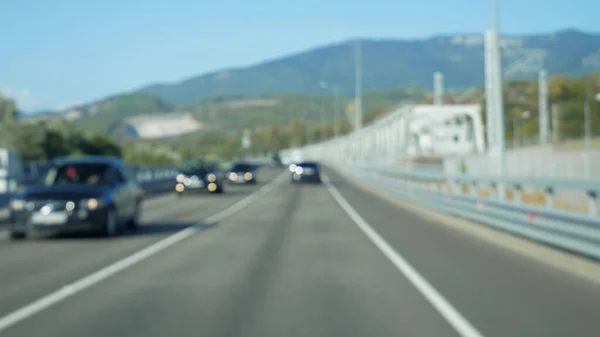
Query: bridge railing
{"x":561,"y":213}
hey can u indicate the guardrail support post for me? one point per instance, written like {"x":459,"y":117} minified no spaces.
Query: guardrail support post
{"x":518,"y":196}
{"x":549,"y":197}
{"x":592,"y":203}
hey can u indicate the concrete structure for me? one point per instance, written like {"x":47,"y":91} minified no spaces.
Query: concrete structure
{"x":412,"y":130}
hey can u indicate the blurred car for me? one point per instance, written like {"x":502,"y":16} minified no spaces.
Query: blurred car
{"x":90,"y":194}
{"x":306,"y":172}
{"x":200,"y":176}
{"x":242,"y":173}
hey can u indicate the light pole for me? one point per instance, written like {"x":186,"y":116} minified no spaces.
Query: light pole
{"x":587,"y":117}
{"x":555,"y":109}
{"x":336,"y":118}
{"x":307,"y":137}
{"x":496,"y":95}
{"x":543,"y":107}
{"x":357,"y":86}
{"x":438,"y":88}
{"x":587,"y":127}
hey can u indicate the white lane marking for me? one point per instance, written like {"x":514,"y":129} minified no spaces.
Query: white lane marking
{"x":104,"y":273}
{"x":452,"y":316}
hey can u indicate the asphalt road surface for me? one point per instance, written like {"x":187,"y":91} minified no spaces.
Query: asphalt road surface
{"x":286,"y":261}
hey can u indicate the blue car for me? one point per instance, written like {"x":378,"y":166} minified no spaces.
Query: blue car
{"x":91,"y":194}
{"x":306,"y":172}
{"x":242,"y":173}
{"x":200,"y":176}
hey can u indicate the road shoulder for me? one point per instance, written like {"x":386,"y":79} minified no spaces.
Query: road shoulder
{"x":564,"y":261}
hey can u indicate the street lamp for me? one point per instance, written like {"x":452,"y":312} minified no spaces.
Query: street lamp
{"x":587,"y":121}
{"x":336,"y":92}
{"x":321,"y":129}
{"x":358,"y":86}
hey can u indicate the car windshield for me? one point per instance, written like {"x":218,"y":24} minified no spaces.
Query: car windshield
{"x":308,"y":165}
{"x":77,"y":174}
{"x":197,"y":166}
{"x":242,"y":167}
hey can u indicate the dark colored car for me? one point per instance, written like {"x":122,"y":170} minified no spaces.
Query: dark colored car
{"x":90,"y":194}
{"x":200,"y":176}
{"x":242,"y":173}
{"x":306,"y":172}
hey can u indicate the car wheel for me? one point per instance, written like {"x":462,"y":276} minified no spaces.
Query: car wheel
{"x":15,"y":235}
{"x":111,"y":225}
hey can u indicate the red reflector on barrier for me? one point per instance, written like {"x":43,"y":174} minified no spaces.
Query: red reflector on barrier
{"x":480,"y":205}
{"x":531,"y":216}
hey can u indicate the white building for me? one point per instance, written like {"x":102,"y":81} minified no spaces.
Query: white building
{"x":160,"y":125}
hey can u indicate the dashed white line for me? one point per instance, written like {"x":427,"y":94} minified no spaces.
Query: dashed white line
{"x":104,"y":273}
{"x":448,"y":312}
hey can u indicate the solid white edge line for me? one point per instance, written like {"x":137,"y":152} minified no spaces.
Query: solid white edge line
{"x":450,"y":314}
{"x":73,"y":288}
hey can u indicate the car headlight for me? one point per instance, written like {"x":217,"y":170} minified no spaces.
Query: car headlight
{"x":180,"y":178}
{"x":248,"y":176}
{"x":17,"y":205}
{"x":211,"y":178}
{"x":93,"y":204}
{"x":232,"y":176}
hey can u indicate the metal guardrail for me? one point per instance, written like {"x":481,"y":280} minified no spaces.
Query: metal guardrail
{"x":579,"y":233}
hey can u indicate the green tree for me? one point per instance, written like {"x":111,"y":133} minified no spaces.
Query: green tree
{"x":8,"y":110}
{"x":29,"y":141}
{"x":55,"y":145}
{"x":101,"y":145}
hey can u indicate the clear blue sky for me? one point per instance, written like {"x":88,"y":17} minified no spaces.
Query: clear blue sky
{"x":59,"y":52}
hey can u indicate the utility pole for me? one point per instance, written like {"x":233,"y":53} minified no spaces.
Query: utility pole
{"x":516,"y":132}
{"x":322,"y":126}
{"x":357,"y":86}
{"x":337,"y":102}
{"x":490,"y":106}
{"x":438,"y":88}
{"x":555,"y":124}
{"x":496,"y":67}
{"x":543,"y":107}
{"x":587,"y":123}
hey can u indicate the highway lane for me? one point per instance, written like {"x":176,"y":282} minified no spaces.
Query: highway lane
{"x":293,"y":263}
{"x":502,"y":292}
{"x":39,"y":265}
{"x":290,"y":264}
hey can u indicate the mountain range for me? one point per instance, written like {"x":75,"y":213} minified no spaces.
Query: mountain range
{"x":386,"y":64}
{"x":394,"y":63}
